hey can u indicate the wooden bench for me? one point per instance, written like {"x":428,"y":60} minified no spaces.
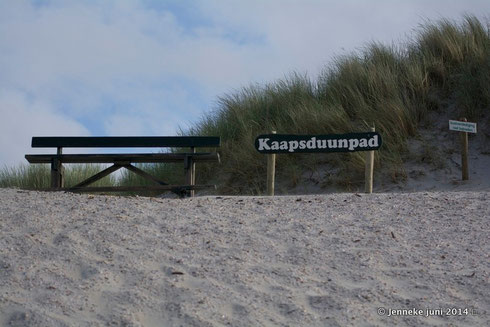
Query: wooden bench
{"x":125,"y":160}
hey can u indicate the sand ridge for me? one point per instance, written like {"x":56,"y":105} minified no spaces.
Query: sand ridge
{"x":316,"y":260}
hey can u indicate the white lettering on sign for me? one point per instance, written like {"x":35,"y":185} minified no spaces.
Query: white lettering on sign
{"x":462,"y":126}
{"x":263,"y":144}
{"x":351,"y":144}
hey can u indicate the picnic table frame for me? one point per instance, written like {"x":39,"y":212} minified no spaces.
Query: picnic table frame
{"x":126,"y":160}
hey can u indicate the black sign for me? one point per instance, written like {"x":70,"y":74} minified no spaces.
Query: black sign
{"x":287,"y":143}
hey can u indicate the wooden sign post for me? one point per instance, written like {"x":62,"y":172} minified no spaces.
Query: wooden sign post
{"x":465,"y":175}
{"x":464,"y":127}
{"x":271,"y":172}
{"x":271,"y":144}
{"x":369,"y":170}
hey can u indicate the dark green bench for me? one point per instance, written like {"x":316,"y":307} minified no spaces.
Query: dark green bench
{"x":125,"y":160}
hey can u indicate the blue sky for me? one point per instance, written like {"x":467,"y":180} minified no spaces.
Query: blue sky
{"x":149,"y":67}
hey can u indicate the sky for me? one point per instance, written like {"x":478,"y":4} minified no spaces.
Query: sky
{"x":150,"y":67}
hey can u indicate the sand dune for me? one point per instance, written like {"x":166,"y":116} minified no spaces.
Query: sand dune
{"x":324,"y":260}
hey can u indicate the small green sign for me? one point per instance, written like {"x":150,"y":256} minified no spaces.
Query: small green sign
{"x":462,"y":126}
{"x":289,"y":143}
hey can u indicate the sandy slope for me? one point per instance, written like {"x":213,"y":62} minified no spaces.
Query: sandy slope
{"x":330,"y":260}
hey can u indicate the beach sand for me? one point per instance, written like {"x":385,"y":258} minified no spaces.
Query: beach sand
{"x":316,"y":260}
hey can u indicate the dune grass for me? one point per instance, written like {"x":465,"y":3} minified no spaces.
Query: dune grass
{"x":446,"y":65}
{"x":392,"y":87}
{"x":36,"y":176}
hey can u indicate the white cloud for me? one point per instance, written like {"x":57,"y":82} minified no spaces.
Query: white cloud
{"x":22,"y":119}
{"x":304,"y":35}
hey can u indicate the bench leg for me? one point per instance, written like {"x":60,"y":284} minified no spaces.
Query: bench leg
{"x":190,"y":175}
{"x":190,"y":171}
{"x":57,"y":174}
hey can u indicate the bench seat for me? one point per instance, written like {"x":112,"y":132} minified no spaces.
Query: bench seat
{"x":118,"y":157}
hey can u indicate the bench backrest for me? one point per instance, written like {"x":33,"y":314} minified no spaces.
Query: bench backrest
{"x":125,"y":141}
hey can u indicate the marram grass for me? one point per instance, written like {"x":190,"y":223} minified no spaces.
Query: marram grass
{"x":39,"y":176}
{"x":392,"y":87}
{"x":395,"y":88}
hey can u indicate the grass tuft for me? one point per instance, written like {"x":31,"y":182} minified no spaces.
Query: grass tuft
{"x":36,"y":176}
